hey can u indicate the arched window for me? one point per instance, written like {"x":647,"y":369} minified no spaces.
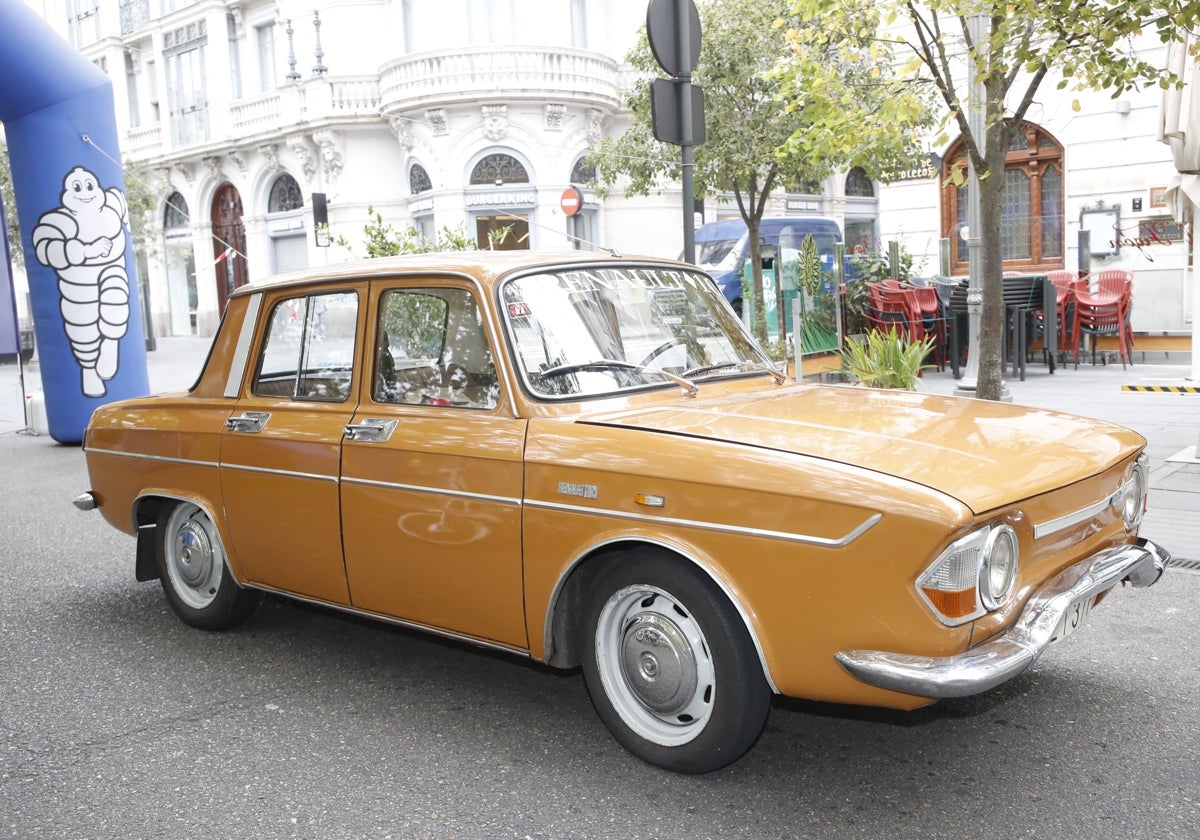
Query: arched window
{"x":499,"y":169}
{"x":583,"y":172}
{"x":418,"y":180}
{"x":1031,"y":220}
{"x":285,"y":195}
{"x":858,"y":184}
{"x":175,"y":213}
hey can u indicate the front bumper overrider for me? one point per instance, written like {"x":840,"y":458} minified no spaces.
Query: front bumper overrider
{"x":1000,"y":659}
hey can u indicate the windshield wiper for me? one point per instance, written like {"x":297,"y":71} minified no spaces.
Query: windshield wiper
{"x":756,"y":366}
{"x":615,"y":364}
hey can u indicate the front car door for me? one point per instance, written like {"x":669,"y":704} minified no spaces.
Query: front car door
{"x":281,"y":448}
{"x":432,"y":469}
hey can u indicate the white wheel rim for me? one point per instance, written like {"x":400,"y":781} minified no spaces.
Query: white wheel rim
{"x":655,"y":665}
{"x":194,"y":559}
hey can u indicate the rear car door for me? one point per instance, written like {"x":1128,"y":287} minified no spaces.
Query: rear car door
{"x":281,"y":448}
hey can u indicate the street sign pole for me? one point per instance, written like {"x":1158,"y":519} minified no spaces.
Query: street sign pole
{"x":673,"y":30}
{"x":685,"y":119}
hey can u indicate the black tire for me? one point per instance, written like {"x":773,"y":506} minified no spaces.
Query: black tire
{"x":194,"y":575}
{"x":669,"y":665}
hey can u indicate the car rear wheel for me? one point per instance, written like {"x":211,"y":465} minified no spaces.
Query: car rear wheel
{"x":195,"y":578}
{"x":670,"y":667}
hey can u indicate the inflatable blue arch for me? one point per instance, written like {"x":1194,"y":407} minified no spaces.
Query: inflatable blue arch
{"x":57,"y":111}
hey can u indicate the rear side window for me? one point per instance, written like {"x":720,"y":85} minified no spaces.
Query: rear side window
{"x":308,"y":351}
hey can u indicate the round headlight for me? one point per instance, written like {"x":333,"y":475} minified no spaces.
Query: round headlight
{"x":998,"y":571}
{"x":1133,"y":497}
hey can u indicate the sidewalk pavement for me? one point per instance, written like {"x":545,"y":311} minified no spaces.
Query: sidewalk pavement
{"x":1170,"y":421}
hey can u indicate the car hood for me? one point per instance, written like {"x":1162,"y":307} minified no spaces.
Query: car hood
{"x":985,"y":454}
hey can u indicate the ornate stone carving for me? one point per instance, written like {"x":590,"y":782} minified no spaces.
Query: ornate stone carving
{"x":437,"y":121}
{"x":239,"y":159}
{"x":495,"y":122}
{"x":595,"y":125}
{"x":555,"y":114}
{"x":213,"y":164}
{"x":402,"y":128}
{"x":187,"y":170}
{"x":270,"y":153}
{"x":331,"y":146}
{"x":304,"y":156}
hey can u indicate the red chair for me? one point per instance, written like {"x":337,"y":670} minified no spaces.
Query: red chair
{"x":1096,"y":316}
{"x":886,"y":310}
{"x":1116,"y":284}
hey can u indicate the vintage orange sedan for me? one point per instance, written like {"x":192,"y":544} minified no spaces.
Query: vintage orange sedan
{"x":586,"y":460}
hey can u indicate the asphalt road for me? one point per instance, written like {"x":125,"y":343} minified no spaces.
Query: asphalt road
{"x":117,"y":721}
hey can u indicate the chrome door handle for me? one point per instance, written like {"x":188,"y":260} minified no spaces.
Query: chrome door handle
{"x":371,"y":430}
{"x":250,"y":421}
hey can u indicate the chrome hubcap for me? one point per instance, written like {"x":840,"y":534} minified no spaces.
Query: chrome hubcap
{"x":658,"y":664}
{"x":194,"y":558}
{"x":195,"y":554}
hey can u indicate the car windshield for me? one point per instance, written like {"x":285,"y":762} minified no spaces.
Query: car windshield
{"x":598,"y":331}
{"x":716,"y":252}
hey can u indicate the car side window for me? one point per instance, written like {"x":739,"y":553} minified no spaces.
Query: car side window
{"x":431,"y":349}
{"x":308,"y":351}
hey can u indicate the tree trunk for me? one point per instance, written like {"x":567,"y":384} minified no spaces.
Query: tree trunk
{"x":990,"y":383}
{"x":759,"y":322}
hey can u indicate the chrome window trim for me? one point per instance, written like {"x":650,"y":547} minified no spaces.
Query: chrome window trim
{"x":805,"y":539}
{"x":241,"y":353}
{"x":1053,"y":526}
{"x":556,"y":592}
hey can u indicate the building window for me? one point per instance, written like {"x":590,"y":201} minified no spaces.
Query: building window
{"x":264,"y":37}
{"x":131,"y":91}
{"x":235,"y":57}
{"x":83,"y":22}
{"x":175,"y":213}
{"x":285,"y":195}
{"x":583,"y":172}
{"x":187,"y":96}
{"x":1031,"y":219}
{"x":498,"y":169}
{"x":858,"y":184}
{"x":418,"y":180}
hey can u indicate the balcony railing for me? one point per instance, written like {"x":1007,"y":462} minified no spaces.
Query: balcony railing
{"x":145,"y":141}
{"x":501,"y":72}
{"x":334,"y":99}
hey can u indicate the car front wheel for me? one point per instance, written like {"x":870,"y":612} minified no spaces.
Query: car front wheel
{"x":670,"y":667}
{"x":194,"y":575}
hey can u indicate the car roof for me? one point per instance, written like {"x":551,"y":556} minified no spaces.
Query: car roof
{"x":734,"y":228}
{"x":484,"y":266}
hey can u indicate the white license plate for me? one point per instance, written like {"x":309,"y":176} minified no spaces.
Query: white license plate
{"x":1073,"y":618}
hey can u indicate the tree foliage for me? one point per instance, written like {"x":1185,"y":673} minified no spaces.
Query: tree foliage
{"x":1013,"y":47}
{"x":382,"y":239}
{"x":772,"y":121}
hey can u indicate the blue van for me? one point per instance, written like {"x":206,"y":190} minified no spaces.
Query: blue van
{"x":722,"y":248}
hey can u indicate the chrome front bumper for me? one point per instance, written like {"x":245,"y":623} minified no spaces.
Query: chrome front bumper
{"x":1004,"y":657}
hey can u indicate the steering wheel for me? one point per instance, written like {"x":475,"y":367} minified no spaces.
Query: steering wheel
{"x":660,"y":349}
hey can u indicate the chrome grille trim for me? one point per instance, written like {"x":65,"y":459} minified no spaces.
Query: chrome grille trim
{"x":1062,"y":523}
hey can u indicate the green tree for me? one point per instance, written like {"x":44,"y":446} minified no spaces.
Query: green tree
{"x":10,"y":207}
{"x":767,"y":125}
{"x":1011,"y":49}
{"x":382,"y":239}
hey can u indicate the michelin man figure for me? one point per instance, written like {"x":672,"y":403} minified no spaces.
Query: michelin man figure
{"x":84,"y":242}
